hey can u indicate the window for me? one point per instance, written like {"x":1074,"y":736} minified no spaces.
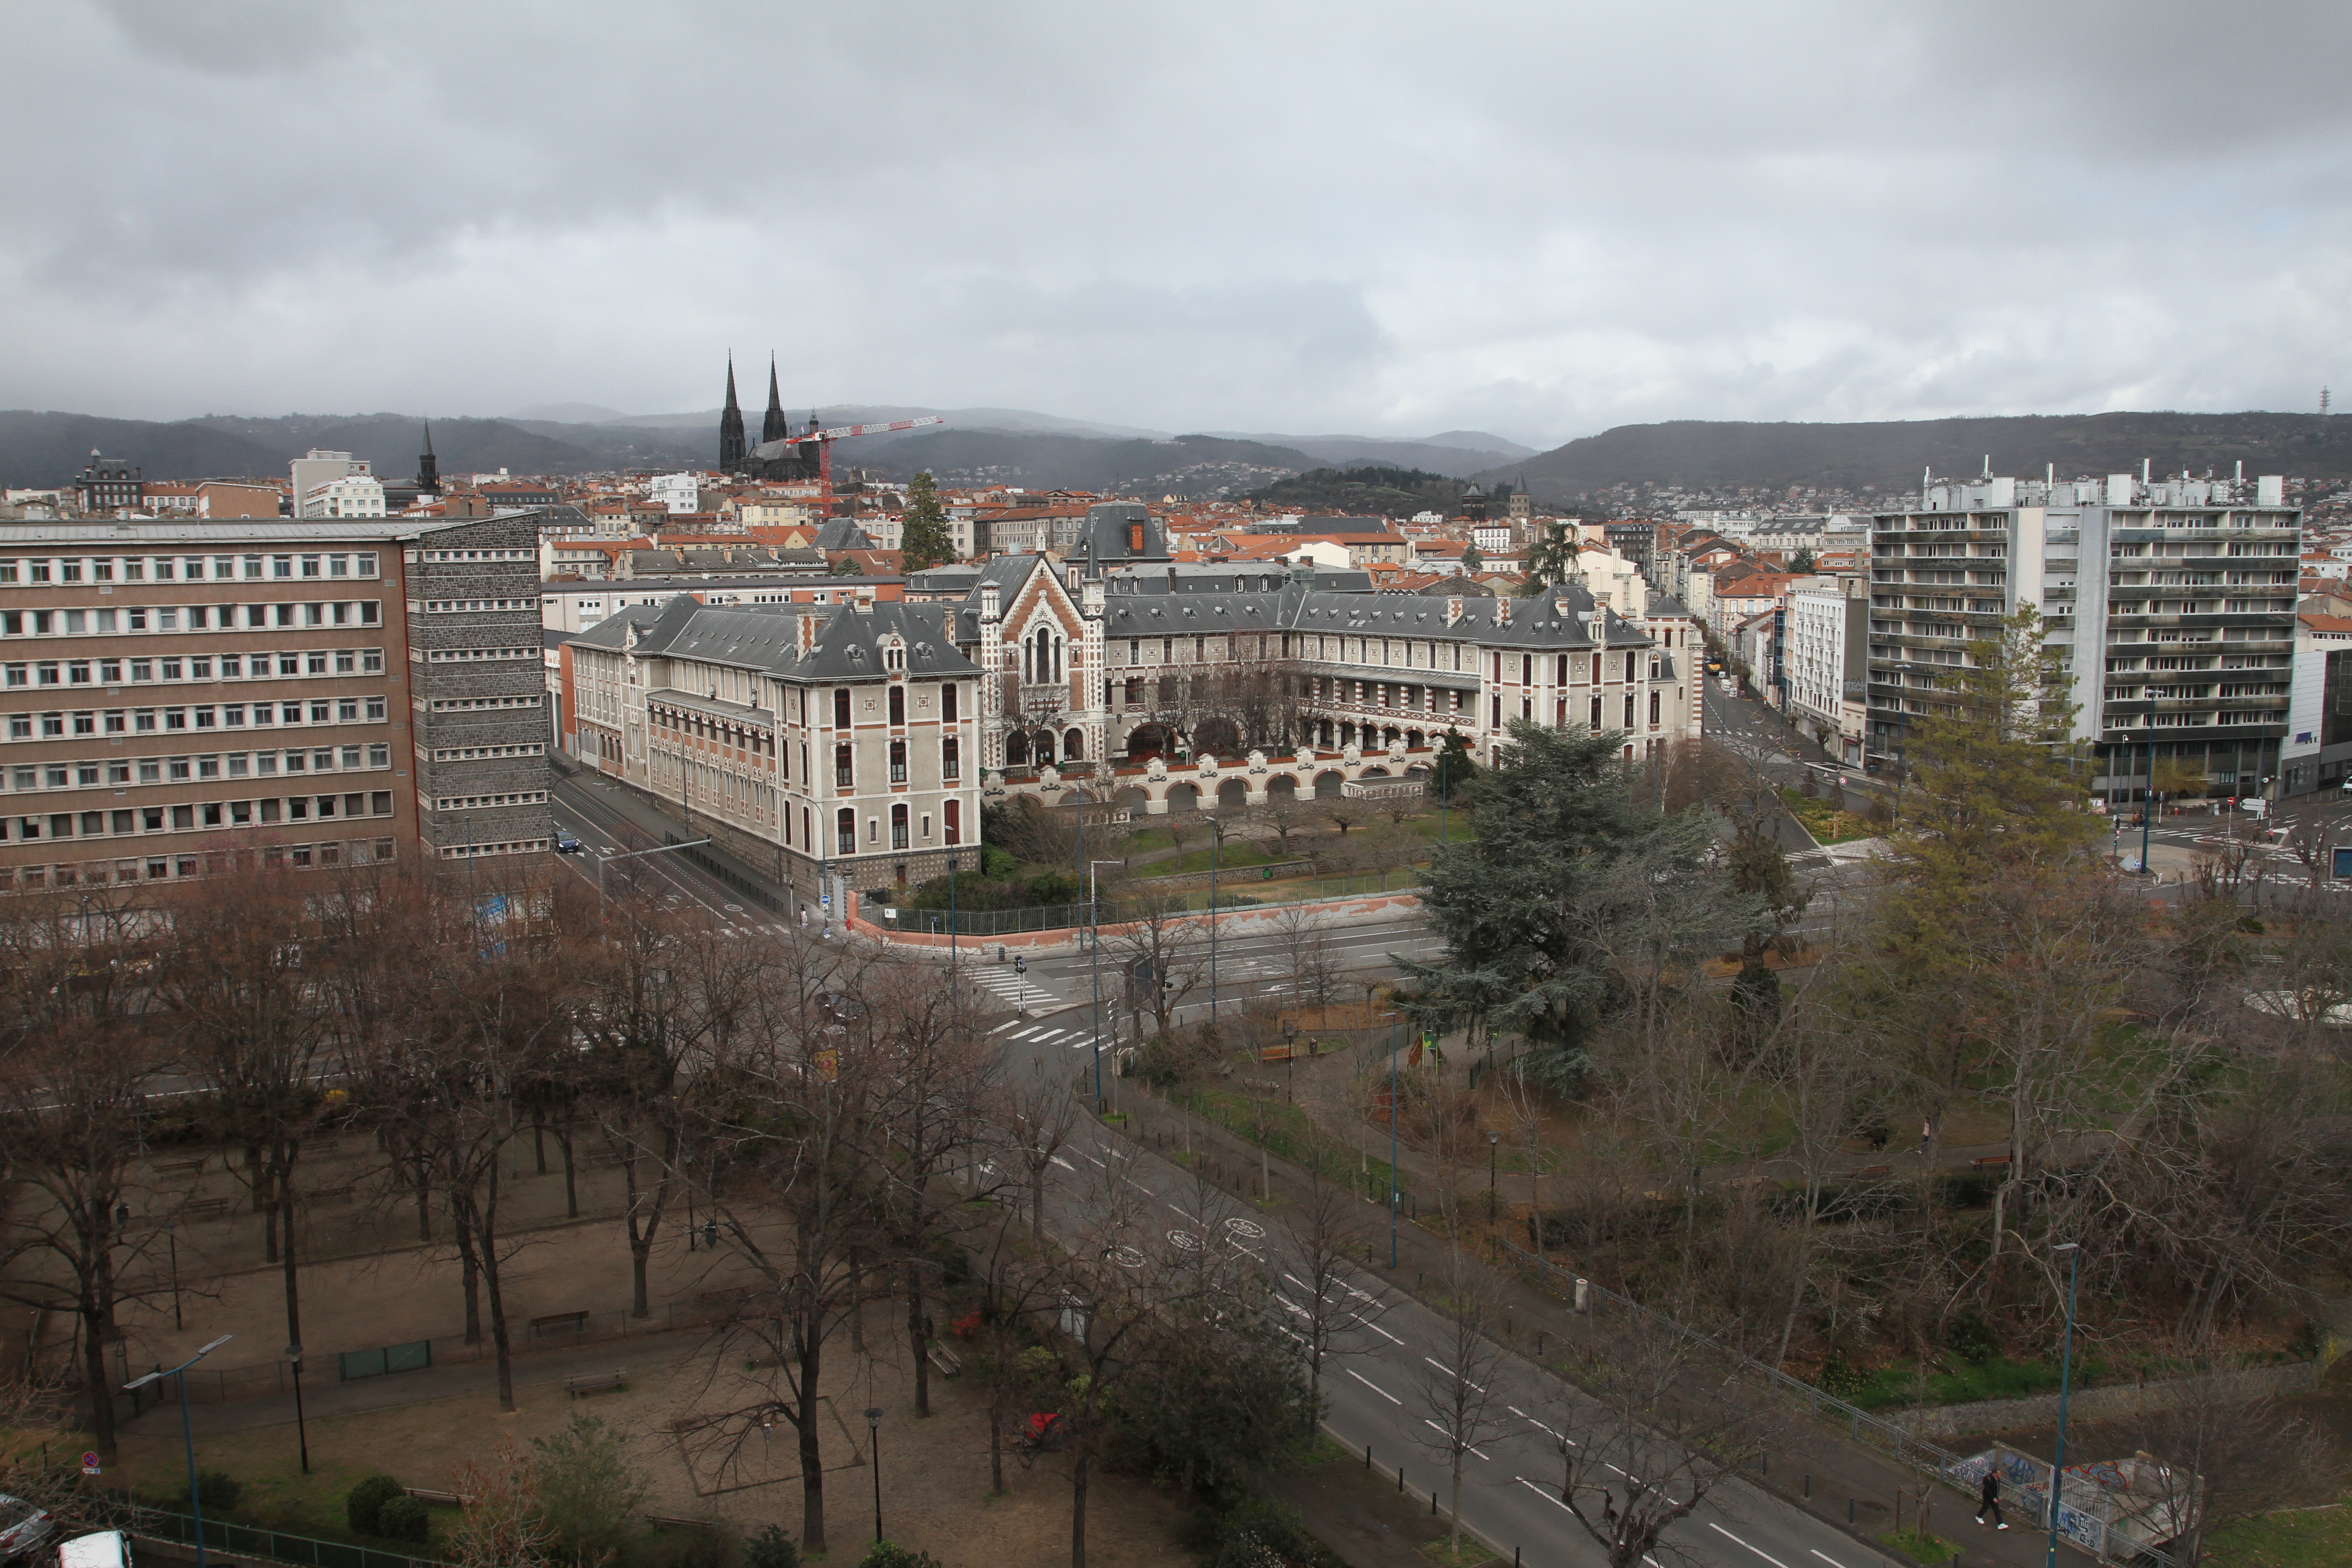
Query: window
{"x":846,"y":832}
{"x":897,"y":762}
{"x":954,"y":818}
{"x":947,"y":703}
{"x":898,"y":827}
{"x":844,"y":771}
{"x":950,"y":765}
{"x":841,"y":707}
{"x":898,"y":706}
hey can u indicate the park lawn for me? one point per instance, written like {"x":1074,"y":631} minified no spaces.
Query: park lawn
{"x":1248,"y":853}
{"x":1966,"y":1383}
{"x":1825,"y":821}
{"x":2306,"y":1538}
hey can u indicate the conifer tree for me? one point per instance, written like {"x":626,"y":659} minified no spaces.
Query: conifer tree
{"x":924,"y":540}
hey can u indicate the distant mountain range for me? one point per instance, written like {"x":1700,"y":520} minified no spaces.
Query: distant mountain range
{"x":1891,"y":456}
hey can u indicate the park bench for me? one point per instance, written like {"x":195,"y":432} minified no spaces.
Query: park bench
{"x":671,"y":1522}
{"x":949,"y":1363}
{"x":427,"y":1494}
{"x":1875,"y":1171}
{"x":328,"y":1195}
{"x":204,"y":1208}
{"x":582,"y":1383}
{"x":1984,"y":1162}
{"x":554,"y":1322}
{"x":180,"y":1167}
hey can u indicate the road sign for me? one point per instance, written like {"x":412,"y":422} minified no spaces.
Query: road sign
{"x":825,"y":901}
{"x":89,"y":1464}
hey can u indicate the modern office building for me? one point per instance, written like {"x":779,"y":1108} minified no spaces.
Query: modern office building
{"x":1825,"y":661}
{"x":2173,"y":601}
{"x":314,"y":692}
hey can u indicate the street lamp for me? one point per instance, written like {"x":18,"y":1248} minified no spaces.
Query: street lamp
{"x":301,"y":1427}
{"x":1094,"y":961}
{"x":1392,"y":1140}
{"x":187,"y":1436}
{"x":2073,"y":1252}
{"x":172,"y":1236}
{"x":1494,"y":1154}
{"x":1216,"y":854}
{"x":874,"y":1449}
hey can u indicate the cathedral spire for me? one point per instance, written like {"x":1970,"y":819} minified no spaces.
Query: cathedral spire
{"x":428,"y":468}
{"x":775,"y":426}
{"x":731,"y":427}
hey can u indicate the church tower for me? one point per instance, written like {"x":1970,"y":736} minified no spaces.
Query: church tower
{"x":730,"y":427}
{"x":428,"y":468}
{"x":775,"y":426}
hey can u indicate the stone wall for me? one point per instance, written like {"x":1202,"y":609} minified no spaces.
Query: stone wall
{"x":1940,"y":1423}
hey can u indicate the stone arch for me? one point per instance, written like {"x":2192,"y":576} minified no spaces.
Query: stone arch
{"x":1232,"y":794}
{"x":1412,"y":740}
{"x":1388,"y":736}
{"x":1041,"y":746}
{"x":1150,"y":740}
{"x":1182,"y":796}
{"x":1374,"y":772}
{"x":1282,"y":788}
{"x":1074,"y":745}
{"x":1132,"y":796}
{"x":1329,"y":784}
{"x":1016,"y":750}
{"x":1216,"y":736}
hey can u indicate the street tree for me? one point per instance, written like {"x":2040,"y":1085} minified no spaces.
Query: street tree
{"x":924,"y":539}
{"x":1463,"y":1392}
{"x":1163,"y":948}
{"x":1329,"y":1305}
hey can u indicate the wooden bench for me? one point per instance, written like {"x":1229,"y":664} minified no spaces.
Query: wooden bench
{"x":328,"y":1195}
{"x":594,"y":1382}
{"x":180,"y":1167}
{"x":573,"y":1322}
{"x":671,"y":1522}
{"x":1984,"y":1162}
{"x":204,"y":1208}
{"x":450,"y":1499}
{"x":949,"y":1363}
{"x":1873,"y":1171}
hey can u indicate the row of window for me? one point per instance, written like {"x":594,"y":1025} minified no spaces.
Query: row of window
{"x":485,"y":802}
{"x":210,"y":863}
{"x":196,"y":817}
{"x":481,"y":704}
{"x":462,"y":607}
{"x":902,"y":835}
{"x":193,"y":667}
{"x":508,"y":847}
{"x":481,"y":554}
{"x":202,"y":716}
{"x":474,"y":654}
{"x":26,"y":572}
{"x":90,"y":773}
{"x":244,"y":615}
{"x":845,"y":763}
{"x":478,"y":753}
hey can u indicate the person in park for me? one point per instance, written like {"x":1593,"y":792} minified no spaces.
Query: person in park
{"x":1988,"y":1499}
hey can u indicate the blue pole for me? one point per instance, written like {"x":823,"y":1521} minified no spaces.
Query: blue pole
{"x":2146,"y":806}
{"x":1217,"y":853}
{"x":2065,"y":1370}
{"x":188,"y":1441}
{"x":951,"y":933}
{"x":1393,"y":1140}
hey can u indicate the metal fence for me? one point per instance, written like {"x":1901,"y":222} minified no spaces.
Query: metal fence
{"x":757,"y":893}
{"x":248,"y":1541}
{"x":1240,"y":888}
{"x":2088,"y":1527}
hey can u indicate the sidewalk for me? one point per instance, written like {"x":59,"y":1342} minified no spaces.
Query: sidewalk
{"x":1835,"y":1471}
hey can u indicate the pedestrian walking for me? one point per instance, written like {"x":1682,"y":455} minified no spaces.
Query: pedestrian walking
{"x":1607,"y":1507}
{"x":1927,"y":1135}
{"x":1988,"y":1499}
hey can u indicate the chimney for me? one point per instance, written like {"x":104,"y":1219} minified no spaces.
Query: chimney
{"x":991,"y":609}
{"x":1135,"y":539}
{"x":805,"y":630}
{"x":1502,"y":611}
{"x":863,"y":602}
{"x":1453,"y":611}
{"x":1171,"y":578}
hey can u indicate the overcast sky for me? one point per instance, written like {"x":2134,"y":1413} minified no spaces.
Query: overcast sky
{"x":1538,"y":220}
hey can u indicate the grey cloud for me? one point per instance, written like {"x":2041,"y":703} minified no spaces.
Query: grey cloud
{"x":1541,"y":220}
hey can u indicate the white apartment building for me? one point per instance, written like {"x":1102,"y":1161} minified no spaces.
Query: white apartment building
{"x":2318,"y":751}
{"x":351,"y":496}
{"x":1825,"y":661}
{"x":315,"y":469}
{"x":2173,"y":602}
{"x":677,"y":493}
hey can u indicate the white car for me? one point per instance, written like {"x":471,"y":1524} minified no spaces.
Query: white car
{"x":24,"y":1528}
{"x":110,"y":1549}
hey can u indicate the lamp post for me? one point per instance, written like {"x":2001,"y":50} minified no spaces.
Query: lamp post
{"x":2073,"y":1252}
{"x":301,"y":1427}
{"x":172,"y":1236}
{"x":874,"y":1448}
{"x":604,"y":860}
{"x":952,"y":934}
{"x":1494,"y":1155}
{"x":1094,"y":962}
{"x":188,"y":1435}
{"x":1216,"y":854}
{"x":1393,"y":1140}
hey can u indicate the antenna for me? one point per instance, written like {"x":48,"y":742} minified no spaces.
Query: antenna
{"x":2241,"y":476}
{"x":2323,"y":403}
{"x":1988,"y":468}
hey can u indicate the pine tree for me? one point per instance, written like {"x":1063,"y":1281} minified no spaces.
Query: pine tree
{"x":924,"y":540}
{"x":1471,"y":559}
{"x":1804,"y":561}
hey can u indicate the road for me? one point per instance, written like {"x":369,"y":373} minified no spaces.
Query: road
{"x":584,"y":805}
{"x":1376,"y":1395}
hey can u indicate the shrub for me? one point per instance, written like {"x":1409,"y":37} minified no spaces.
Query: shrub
{"x":216,"y":1491}
{"x":591,"y":1491}
{"x":890,"y":1554}
{"x":403,"y":1517}
{"x":772,"y":1548}
{"x":705,"y":1546}
{"x":1970,"y":1337}
{"x":1269,"y":1528}
{"x":364,"y":1501}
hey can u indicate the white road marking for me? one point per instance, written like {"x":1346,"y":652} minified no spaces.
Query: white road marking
{"x":1825,"y":1557}
{"x":1064,"y":1163}
{"x":1375,"y":1387}
{"x":1759,"y":1551}
{"x":1025,"y":1034}
{"x":1441,"y":1432}
{"x":1448,"y":1370}
{"x":1525,"y":1416}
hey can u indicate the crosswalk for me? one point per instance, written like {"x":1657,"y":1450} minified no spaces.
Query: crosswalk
{"x":1076,"y":1039}
{"x":1015,"y":990}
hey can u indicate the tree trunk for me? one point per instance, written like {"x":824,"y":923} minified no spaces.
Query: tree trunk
{"x":96,"y":1313}
{"x":470,"y":1270}
{"x":812,"y":1455}
{"x":1081,"y":1471}
{"x":293,"y":1279}
{"x":915,"y":1339}
{"x":423,"y":1202}
{"x":1455,"y":1544}
{"x":571,"y":1179}
{"x":262,"y":1182}
{"x":501,"y":1342}
{"x":538,"y":1135}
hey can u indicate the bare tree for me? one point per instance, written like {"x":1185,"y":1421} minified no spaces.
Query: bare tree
{"x":1462,"y":1402}
{"x":1310,"y":965}
{"x":1163,"y":949}
{"x":1328,"y":1309}
{"x":2211,"y":1457}
{"x":1039,"y":1115}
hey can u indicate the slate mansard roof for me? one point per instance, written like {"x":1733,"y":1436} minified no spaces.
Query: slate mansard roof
{"x":847,"y":645}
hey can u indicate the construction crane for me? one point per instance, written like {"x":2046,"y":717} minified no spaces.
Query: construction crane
{"x":826,"y":439}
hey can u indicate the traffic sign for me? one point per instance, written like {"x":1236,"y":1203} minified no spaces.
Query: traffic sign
{"x":89,"y":1464}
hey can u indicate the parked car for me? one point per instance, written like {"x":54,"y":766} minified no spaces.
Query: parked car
{"x":24,"y":1528}
{"x":109,"y":1549}
{"x":565,"y":844}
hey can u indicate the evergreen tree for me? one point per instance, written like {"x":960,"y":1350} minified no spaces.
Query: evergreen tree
{"x":1471,"y":559}
{"x":1574,"y":901}
{"x":924,"y":540}
{"x":1803,"y":561}
{"x":1551,"y":562}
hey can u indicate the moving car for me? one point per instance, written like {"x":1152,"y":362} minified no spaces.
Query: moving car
{"x":24,"y":1528}
{"x":565,"y":844}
